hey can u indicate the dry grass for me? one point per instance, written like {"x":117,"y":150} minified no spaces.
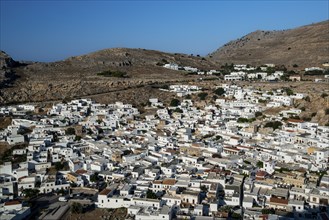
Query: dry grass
{"x":98,"y":213}
{"x":305,"y":46}
{"x":5,"y":122}
{"x":3,"y":147}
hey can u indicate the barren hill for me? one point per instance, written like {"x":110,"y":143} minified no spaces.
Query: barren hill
{"x":304,"y":46}
{"x":77,"y":76}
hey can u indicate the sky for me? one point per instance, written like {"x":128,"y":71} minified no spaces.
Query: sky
{"x":55,"y":30}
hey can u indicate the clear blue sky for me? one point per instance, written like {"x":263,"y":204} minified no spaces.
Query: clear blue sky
{"x":54,"y":30}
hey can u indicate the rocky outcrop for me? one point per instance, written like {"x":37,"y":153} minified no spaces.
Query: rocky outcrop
{"x":6,"y":61}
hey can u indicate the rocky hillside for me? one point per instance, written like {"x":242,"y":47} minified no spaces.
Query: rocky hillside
{"x":77,"y":76}
{"x":6,"y":61}
{"x":305,"y":46}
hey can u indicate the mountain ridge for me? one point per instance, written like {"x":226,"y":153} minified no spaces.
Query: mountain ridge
{"x":303,"y":46}
{"x":77,"y":76}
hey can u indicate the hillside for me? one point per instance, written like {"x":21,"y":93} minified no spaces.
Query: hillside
{"x":77,"y":76}
{"x":135,"y":68}
{"x":305,"y":46}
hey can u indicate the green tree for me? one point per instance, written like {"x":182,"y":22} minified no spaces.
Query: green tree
{"x":259,"y":164}
{"x":203,"y":95}
{"x":76,"y":208}
{"x":178,"y":110}
{"x":284,"y":77}
{"x":323,"y":95}
{"x":219,"y":91}
{"x":268,"y":211}
{"x":30,"y":193}
{"x":273,"y":124}
{"x":59,"y":166}
{"x":236,"y":216}
{"x":94,"y":177}
{"x":258,"y":114}
{"x":174,"y":102}
{"x":188,"y":96}
{"x":203,"y":188}
{"x":70,"y":131}
{"x":151,"y":195}
{"x":245,"y":120}
{"x":218,"y":137}
{"x":289,"y":91}
{"x":110,"y":73}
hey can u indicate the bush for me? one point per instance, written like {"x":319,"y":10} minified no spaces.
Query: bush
{"x":110,"y":73}
{"x":246,"y":120}
{"x":30,"y":193}
{"x":289,"y":92}
{"x":219,"y":91}
{"x":273,"y":124}
{"x":165,"y":87}
{"x":165,"y":61}
{"x":59,"y":166}
{"x":259,"y":164}
{"x":236,"y":216}
{"x":307,"y":98}
{"x":327,"y":111}
{"x":258,"y":114}
{"x":216,"y":156}
{"x":314,"y":72}
{"x":268,"y":211}
{"x":70,"y":131}
{"x":203,"y":95}
{"x":76,"y":208}
{"x":178,"y":110}
{"x":174,"y":102}
{"x":151,"y":195}
{"x":323,"y":95}
{"x":94,"y":177}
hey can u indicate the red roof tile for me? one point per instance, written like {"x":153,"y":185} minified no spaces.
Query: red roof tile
{"x":81,"y":171}
{"x":105,"y":192}
{"x":14,"y":202}
{"x":295,"y":120}
{"x":279,"y":201}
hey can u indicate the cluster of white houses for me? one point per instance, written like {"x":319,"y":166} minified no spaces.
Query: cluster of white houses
{"x":176,"y":164}
{"x":174,"y":66}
